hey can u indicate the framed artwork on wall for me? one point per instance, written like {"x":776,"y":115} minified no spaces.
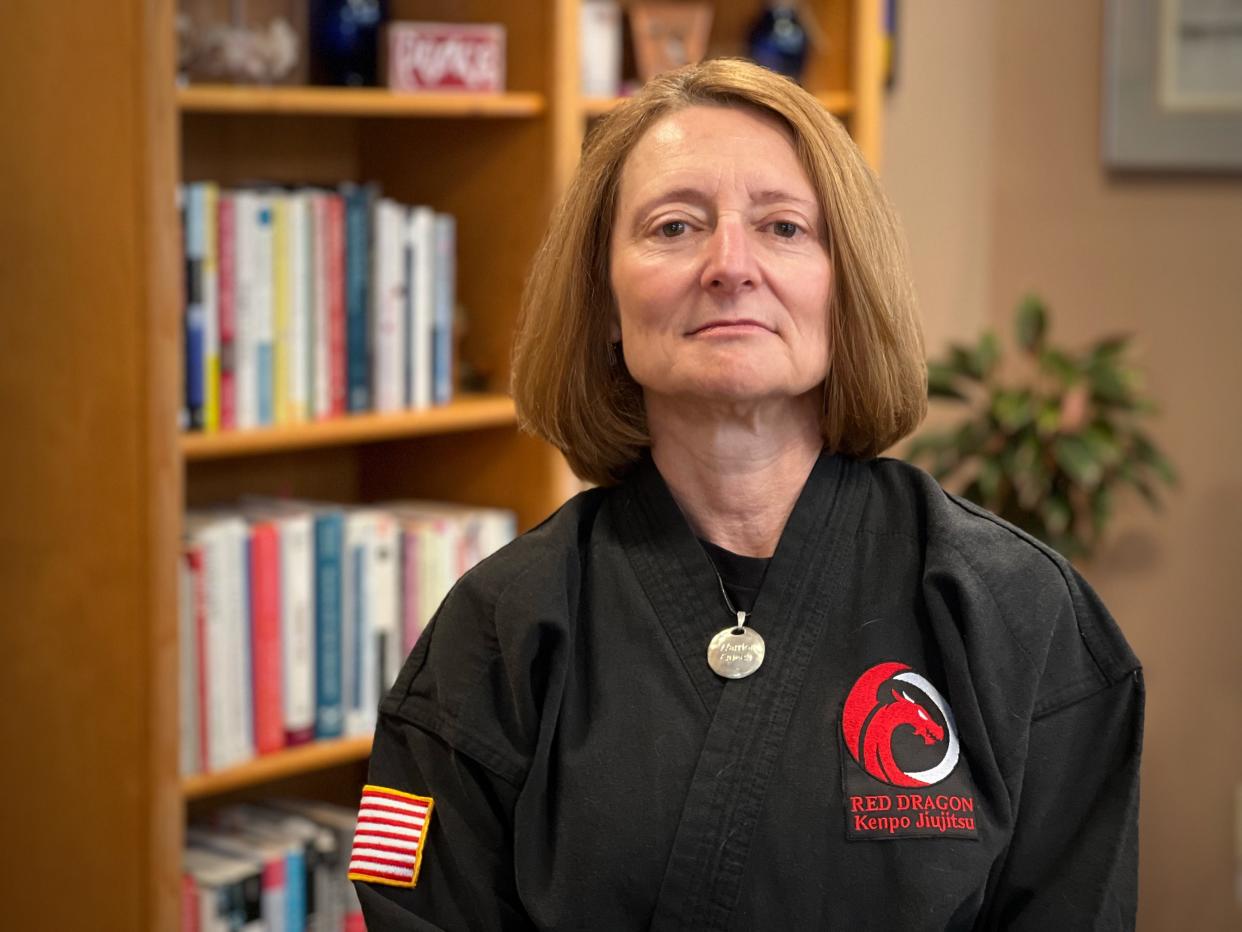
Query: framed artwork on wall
{"x":1173,"y":85}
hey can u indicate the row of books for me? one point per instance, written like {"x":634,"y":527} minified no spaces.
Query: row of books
{"x":295,"y":617}
{"x":277,"y":866}
{"x":306,"y":304}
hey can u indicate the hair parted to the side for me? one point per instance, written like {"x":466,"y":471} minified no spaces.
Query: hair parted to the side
{"x":571,"y":394}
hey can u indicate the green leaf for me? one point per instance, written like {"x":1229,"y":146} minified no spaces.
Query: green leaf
{"x":941,"y":382}
{"x":989,"y":481}
{"x":963,"y":362}
{"x":1112,"y":385}
{"x":1101,"y":441}
{"x":1109,"y":348}
{"x":1147,"y":453}
{"x":1032,"y":323}
{"x":1056,"y":512}
{"x":1048,"y":421}
{"x":1060,"y":366}
{"x":1013,"y":409}
{"x":1074,"y":456}
{"x":986,"y":355}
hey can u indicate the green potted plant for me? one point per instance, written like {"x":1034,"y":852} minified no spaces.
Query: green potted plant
{"x":1048,"y":442}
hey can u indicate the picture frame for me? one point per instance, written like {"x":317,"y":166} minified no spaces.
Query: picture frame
{"x":1173,"y":85}
{"x":668,"y":35}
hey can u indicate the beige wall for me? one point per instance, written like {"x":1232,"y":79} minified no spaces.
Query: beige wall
{"x":993,"y":159}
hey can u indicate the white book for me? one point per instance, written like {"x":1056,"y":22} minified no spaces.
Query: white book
{"x":601,"y":48}
{"x":388,"y":306}
{"x":384,"y":600}
{"x":245,"y":358}
{"x":234,"y":676}
{"x":299,"y":320}
{"x":297,"y":553}
{"x":321,"y":380}
{"x":263,"y":304}
{"x":190,"y":593}
{"x":422,"y":239}
{"x":206,"y":533}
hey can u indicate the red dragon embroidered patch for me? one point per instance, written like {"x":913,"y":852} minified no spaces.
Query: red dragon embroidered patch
{"x":899,"y":732}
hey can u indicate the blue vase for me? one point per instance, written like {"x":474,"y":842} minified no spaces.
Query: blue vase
{"x":778,"y":41}
{"x":344,"y":39}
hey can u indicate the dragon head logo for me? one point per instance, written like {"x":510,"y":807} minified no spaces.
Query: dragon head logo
{"x":872,"y":715}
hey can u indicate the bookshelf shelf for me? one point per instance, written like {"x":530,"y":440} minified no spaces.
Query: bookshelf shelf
{"x":358,"y":102}
{"x":470,"y":412}
{"x":318,"y":755}
{"x":840,"y":103}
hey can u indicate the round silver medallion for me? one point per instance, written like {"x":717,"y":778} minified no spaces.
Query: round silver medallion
{"x":735,"y":652}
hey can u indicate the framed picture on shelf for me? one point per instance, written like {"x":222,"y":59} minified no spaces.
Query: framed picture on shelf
{"x":1173,"y":85}
{"x":668,"y":35}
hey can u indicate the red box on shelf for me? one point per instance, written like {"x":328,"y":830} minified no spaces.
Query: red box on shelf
{"x":445,"y":57}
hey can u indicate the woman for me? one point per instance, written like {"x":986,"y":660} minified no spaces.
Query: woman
{"x":760,"y":678}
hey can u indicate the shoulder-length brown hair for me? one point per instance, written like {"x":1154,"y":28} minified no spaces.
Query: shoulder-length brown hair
{"x":571,"y":393}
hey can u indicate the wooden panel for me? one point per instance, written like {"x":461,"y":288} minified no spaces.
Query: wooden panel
{"x":329,"y":475}
{"x":354,"y":101}
{"x":493,"y":177}
{"x":84,"y":193}
{"x":339,"y":783}
{"x":497,"y":468}
{"x":236,"y":149}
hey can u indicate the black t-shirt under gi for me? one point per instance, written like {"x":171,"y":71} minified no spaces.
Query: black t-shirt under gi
{"x":944,"y":733}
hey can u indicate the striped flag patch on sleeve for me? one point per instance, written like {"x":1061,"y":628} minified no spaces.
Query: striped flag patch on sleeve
{"x":388,"y":842}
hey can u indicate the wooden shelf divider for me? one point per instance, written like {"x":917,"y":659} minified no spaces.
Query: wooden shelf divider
{"x":470,"y":412}
{"x":354,"y":101}
{"x":318,"y":755}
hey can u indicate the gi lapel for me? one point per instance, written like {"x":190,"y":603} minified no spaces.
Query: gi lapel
{"x":704,"y":873}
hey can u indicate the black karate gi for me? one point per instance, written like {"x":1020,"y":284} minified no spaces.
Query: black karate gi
{"x":589,"y":771}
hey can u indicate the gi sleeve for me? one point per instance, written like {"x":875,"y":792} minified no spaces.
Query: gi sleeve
{"x":1073,"y":859}
{"x":466,"y":877}
{"x":459,"y":727}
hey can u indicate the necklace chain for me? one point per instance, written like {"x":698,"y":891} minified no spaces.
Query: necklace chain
{"x":741,"y":616}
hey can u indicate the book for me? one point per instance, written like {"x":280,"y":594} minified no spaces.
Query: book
{"x":210,"y":283}
{"x":421,"y":301}
{"x":226,"y":306}
{"x":193,"y":229}
{"x":388,"y":306}
{"x":329,"y":571}
{"x":229,"y":890}
{"x":359,"y":204}
{"x":265,"y":636}
{"x":445,"y":308}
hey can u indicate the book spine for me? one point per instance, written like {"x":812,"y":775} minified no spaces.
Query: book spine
{"x":411,"y":597}
{"x":189,"y":904}
{"x":226,"y":251}
{"x":424,"y":302}
{"x":211,"y":311}
{"x":265,"y":642}
{"x":217,"y":749}
{"x":239,"y":678}
{"x":408,"y":272}
{"x":298,"y":629}
{"x":281,"y":324}
{"x":192,"y":237}
{"x":246,"y":359}
{"x":384,"y":576}
{"x":322,"y":386}
{"x":445,"y":304}
{"x":357,"y":276}
{"x":190,"y":577}
{"x":299,"y":248}
{"x":263,"y":310}
{"x":329,"y":710}
{"x":388,"y":337}
{"x":336,"y":304}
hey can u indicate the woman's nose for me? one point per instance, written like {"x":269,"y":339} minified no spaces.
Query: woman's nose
{"x":730,"y":259}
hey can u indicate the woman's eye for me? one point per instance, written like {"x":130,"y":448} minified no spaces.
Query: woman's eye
{"x":785,"y":229}
{"x":673,"y":228}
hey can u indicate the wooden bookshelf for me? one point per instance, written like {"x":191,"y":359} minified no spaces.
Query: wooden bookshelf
{"x":354,"y":101}
{"x":469,"y":412}
{"x":318,"y":755}
{"x":99,"y":477}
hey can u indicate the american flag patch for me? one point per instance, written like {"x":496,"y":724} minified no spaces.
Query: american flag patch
{"x":388,"y":842}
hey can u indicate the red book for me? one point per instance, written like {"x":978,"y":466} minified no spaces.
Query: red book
{"x":198,"y":586}
{"x":189,"y":904}
{"x":336,"y":304}
{"x":269,"y":726}
{"x":226,"y":255}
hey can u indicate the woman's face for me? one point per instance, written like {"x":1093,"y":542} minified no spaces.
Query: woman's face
{"x":719,"y":262}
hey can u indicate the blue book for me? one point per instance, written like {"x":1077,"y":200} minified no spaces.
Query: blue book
{"x":264,"y":310}
{"x":329,"y":707}
{"x":446,"y":301}
{"x":295,"y":888}
{"x":194,"y":229}
{"x":359,"y":205}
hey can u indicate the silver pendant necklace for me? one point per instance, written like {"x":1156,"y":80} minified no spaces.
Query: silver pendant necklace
{"x":737,"y":651}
